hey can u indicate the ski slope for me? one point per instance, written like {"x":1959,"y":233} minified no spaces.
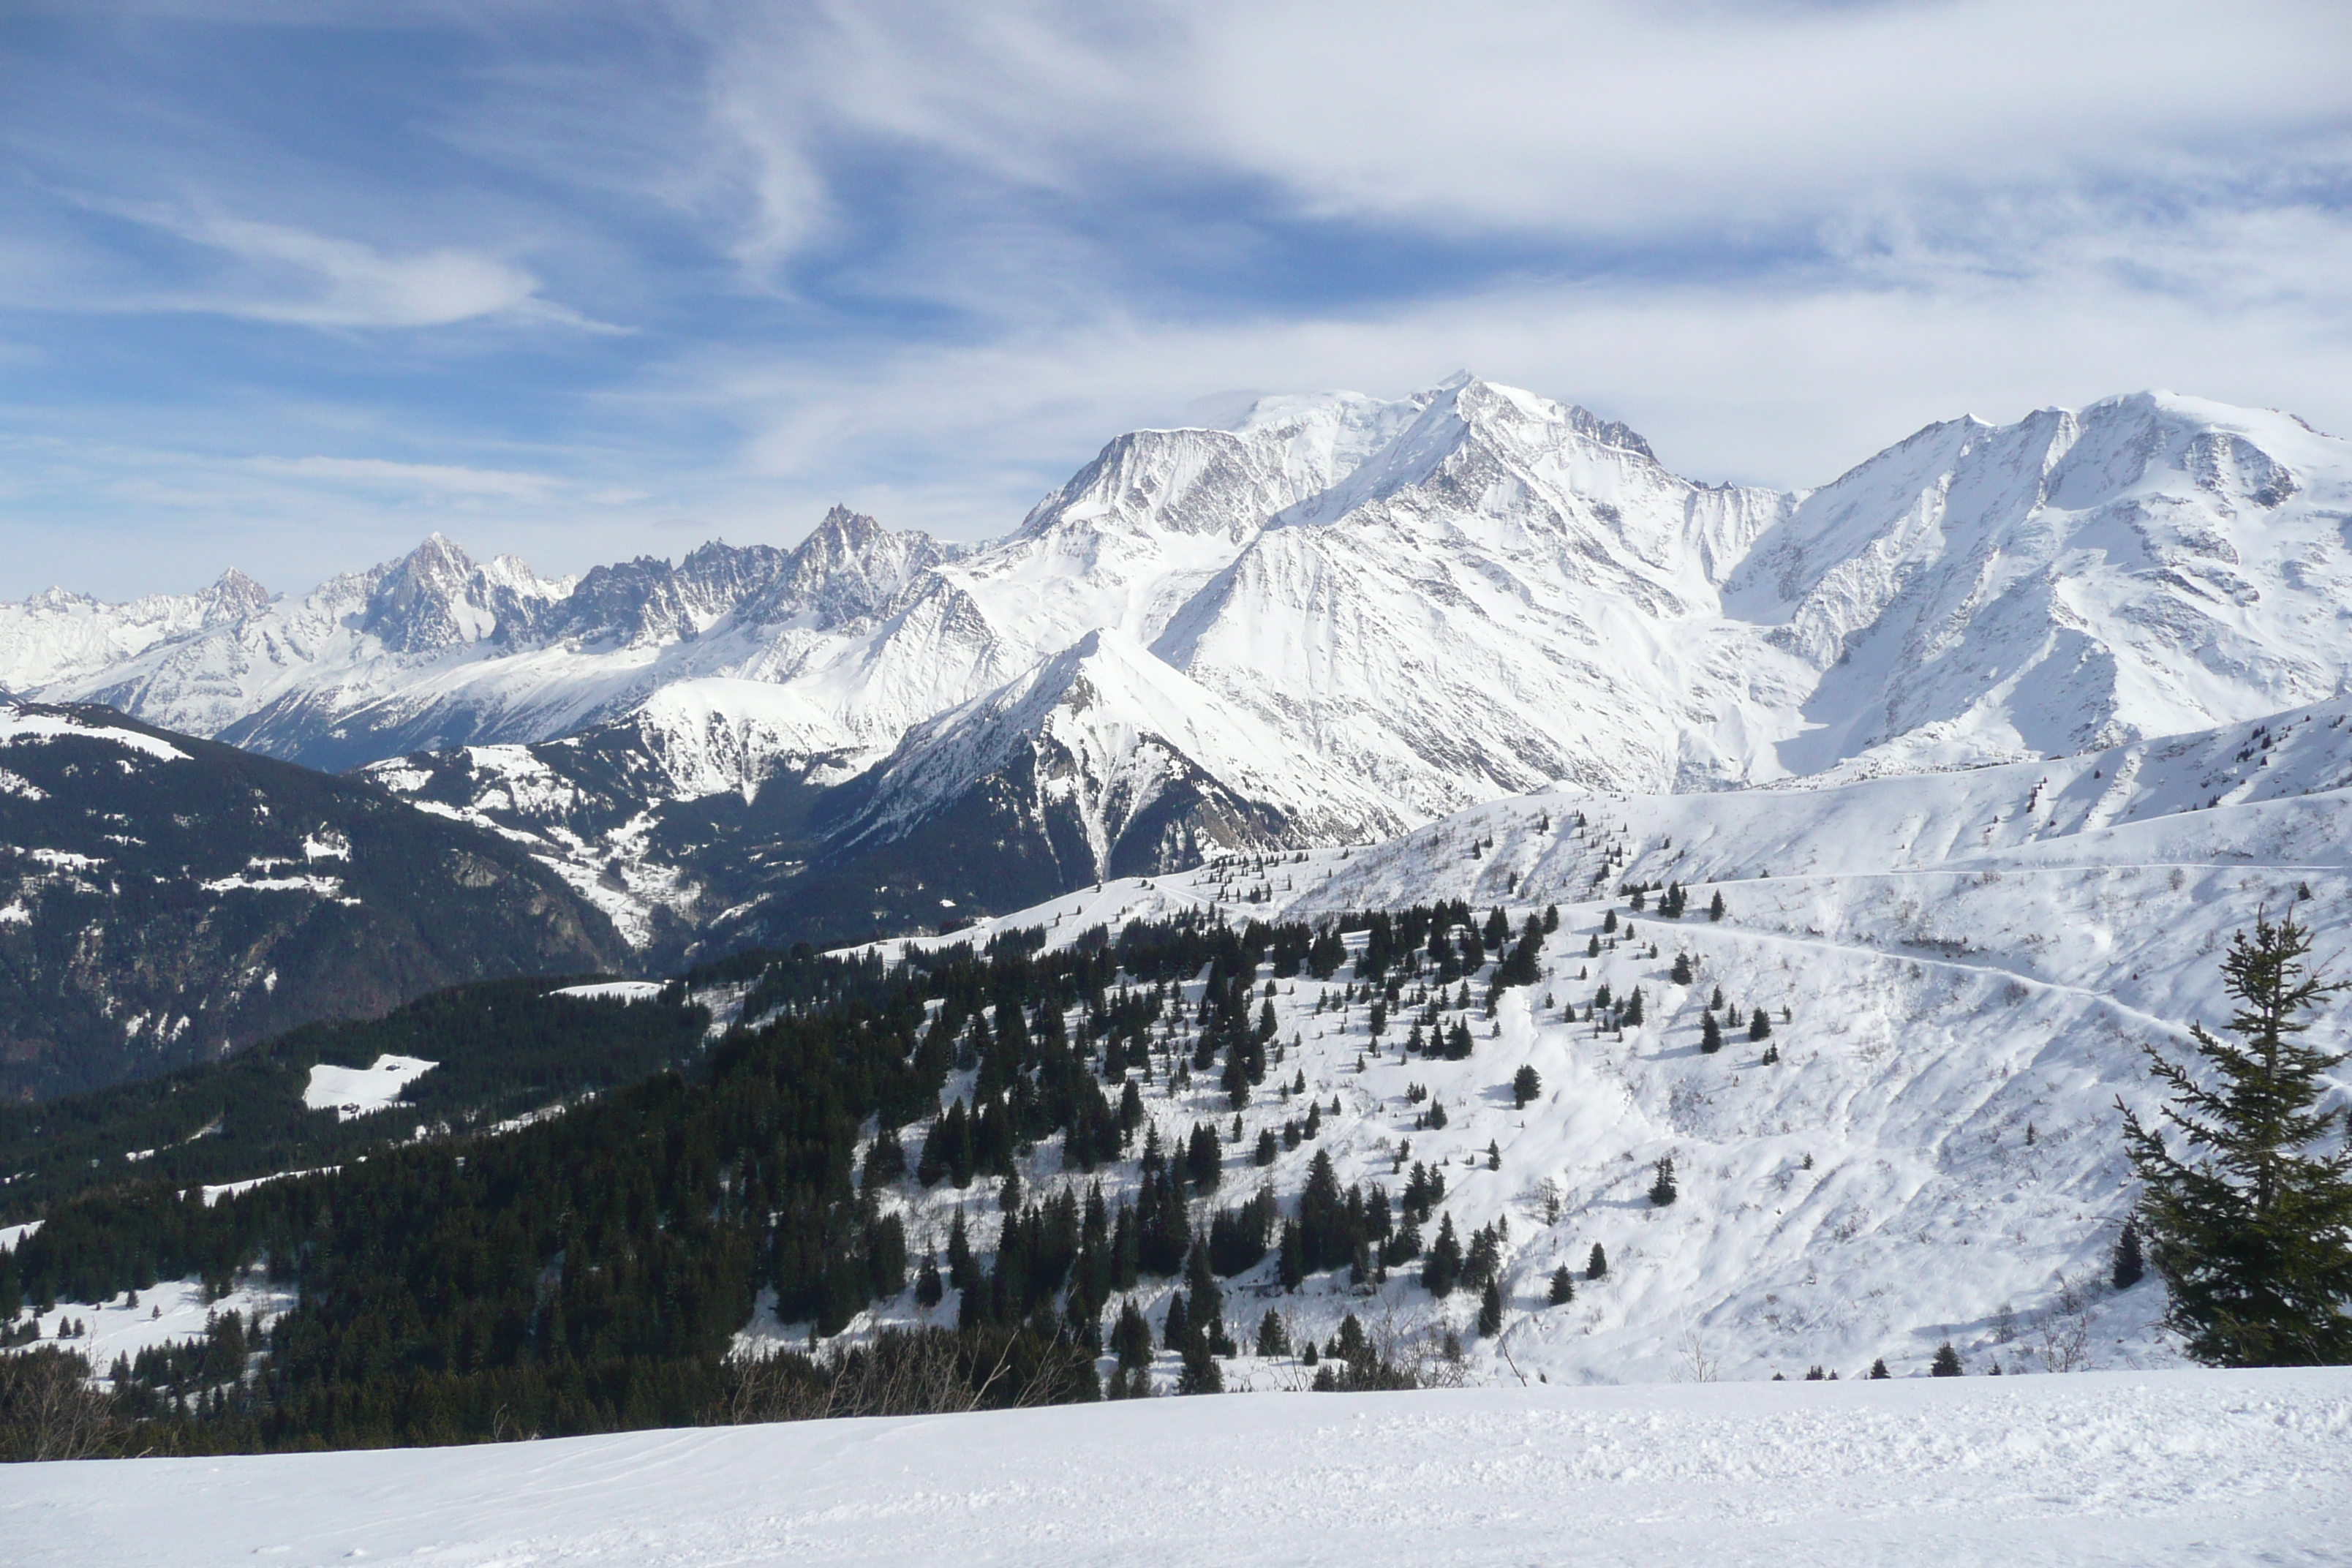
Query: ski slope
{"x":2178,"y":1468}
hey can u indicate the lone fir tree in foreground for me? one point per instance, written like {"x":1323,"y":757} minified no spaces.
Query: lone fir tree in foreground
{"x":2251,"y":1233}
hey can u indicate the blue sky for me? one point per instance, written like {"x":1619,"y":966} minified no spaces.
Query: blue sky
{"x":285,"y":285}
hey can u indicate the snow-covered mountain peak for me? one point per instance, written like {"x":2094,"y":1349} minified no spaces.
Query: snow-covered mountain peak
{"x":1483,"y":424}
{"x":233,"y":596}
{"x":435,"y":597}
{"x":849,"y":568}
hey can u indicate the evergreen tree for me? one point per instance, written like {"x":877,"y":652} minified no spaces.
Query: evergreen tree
{"x":1715,"y":909}
{"x":1760,"y":1025}
{"x":2129,"y":1266}
{"x":1490,"y":1311}
{"x":1525,"y":1084}
{"x":1176,"y":1328}
{"x":963,"y":1269}
{"x":1441,"y":1270}
{"x":1273,"y":1339}
{"x":928,"y":1291}
{"x":1683,"y":974}
{"x":1597,"y":1266}
{"x":1710,"y":1033}
{"x":1201,"y":1375}
{"x":1946,"y":1363}
{"x":1130,"y":1339}
{"x":1266,"y":1151}
{"x":2254,"y":1241}
{"x":1878,"y":1368}
{"x":1563,"y":1286}
{"x":1663,"y":1191}
{"x":1204,"y":1158}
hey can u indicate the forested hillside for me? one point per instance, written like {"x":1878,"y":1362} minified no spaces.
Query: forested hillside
{"x":165,"y":900}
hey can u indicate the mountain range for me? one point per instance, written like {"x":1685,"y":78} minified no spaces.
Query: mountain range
{"x":1330,"y":620}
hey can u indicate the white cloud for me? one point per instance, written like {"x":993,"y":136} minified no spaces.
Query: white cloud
{"x":1573,"y":117}
{"x":414,"y":479}
{"x":286,"y":274}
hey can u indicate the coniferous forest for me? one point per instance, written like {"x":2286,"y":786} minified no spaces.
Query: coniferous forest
{"x":588,"y":1271}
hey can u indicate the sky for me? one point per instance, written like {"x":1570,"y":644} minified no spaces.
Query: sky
{"x":285,"y":284}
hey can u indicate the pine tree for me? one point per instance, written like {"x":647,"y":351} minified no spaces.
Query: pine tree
{"x":2129,"y":1266}
{"x":1441,"y":1270}
{"x":963,"y":1269}
{"x":1266,"y":1151}
{"x":1710,"y":1033}
{"x":1715,"y":909}
{"x":1760,"y":1025}
{"x":1663,"y":1192}
{"x":1946,"y":1363}
{"x":1490,"y":1311}
{"x":1273,"y":1339}
{"x":1201,"y":1375}
{"x":1597,"y":1266}
{"x":1878,"y":1368}
{"x":1682,"y":975}
{"x":2254,"y":1241}
{"x":1563,"y":1286}
{"x":928,"y":1291}
{"x":1525,"y":1084}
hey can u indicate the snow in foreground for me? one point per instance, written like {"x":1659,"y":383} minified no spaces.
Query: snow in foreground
{"x":2181,"y":1466}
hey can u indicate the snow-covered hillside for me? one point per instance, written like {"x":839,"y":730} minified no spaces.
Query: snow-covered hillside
{"x":1958,"y":972}
{"x":2213,"y":1467}
{"x":1370,"y":613}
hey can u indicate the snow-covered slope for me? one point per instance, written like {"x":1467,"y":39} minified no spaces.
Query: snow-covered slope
{"x":1959,"y":971}
{"x":2152,"y":564}
{"x":1509,"y":593}
{"x":1128,"y":767}
{"x":2211,"y":1468}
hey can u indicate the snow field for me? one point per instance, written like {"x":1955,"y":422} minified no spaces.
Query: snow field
{"x":173,"y":1310}
{"x":352,"y":1092}
{"x":2206,"y":1467}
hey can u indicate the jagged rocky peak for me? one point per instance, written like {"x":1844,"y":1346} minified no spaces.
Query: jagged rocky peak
{"x":421,"y":604}
{"x":649,"y":601}
{"x":233,"y":597}
{"x":436,"y":597}
{"x":849,"y":568}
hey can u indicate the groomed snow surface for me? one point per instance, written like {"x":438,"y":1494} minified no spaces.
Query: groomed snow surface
{"x":2177,"y":1467}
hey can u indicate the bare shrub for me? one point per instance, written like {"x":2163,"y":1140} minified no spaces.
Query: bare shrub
{"x":48,"y":1409}
{"x":909,"y":1372}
